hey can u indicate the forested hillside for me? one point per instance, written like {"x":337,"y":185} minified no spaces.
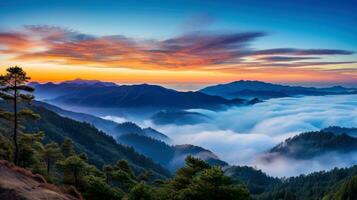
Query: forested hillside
{"x":170,"y":156}
{"x":100,"y":148}
{"x":63,"y":151}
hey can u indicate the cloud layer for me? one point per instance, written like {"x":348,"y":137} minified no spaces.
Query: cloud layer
{"x":198,"y":50}
{"x":240,"y":135}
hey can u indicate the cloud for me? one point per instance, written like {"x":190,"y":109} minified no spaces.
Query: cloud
{"x":240,"y":135}
{"x":13,"y":42}
{"x":118,"y":120}
{"x":198,"y":50}
{"x":285,"y":167}
{"x":286,"y":58}
{"x":302,"y":52}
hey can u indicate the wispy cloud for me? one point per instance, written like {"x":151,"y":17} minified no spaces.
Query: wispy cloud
{"x":302,"y":52}
{"x":199,"y":50}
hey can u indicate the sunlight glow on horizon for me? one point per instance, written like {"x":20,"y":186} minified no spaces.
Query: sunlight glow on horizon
{"x":187,"y":45}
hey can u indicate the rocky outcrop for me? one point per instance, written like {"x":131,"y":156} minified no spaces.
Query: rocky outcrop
{"x":20,"y":184}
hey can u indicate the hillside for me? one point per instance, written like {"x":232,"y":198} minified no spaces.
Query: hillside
{"x":100,"y":148}
{"x":170,"y":156}
{"x":256,"y":180}
{"x":179,"y":117}
{"x":262,"y":90}
{"x":310,"y":144}
{"x":110,"y":127}
{"x":341,"y":130}
{"x":132,"y":128}
{"x":20,"y":184}
{"x":313,"y":186}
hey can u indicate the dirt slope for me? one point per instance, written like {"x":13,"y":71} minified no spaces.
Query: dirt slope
{"x":20,"y":184}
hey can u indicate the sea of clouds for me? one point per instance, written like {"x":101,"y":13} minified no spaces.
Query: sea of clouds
{"x":241,"y":134}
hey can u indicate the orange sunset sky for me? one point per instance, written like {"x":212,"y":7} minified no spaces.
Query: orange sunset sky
{"x":182,"y":46}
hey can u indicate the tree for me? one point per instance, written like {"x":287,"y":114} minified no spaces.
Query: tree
{"x":97,"y":189}
{"x":51,"y":153}
{"x":5,"y":148}
{"x":30,"y":150}
{"x":347,"y":191}
{"x":141,"y":191}
{"x":124,"y":166}
{"x":67,"y":147}
{"x":74,"y":168}
{"x":213,"y":184}
{"x":107,"y":169}
{"x":199,"y":181}
{"x":15,"y":90}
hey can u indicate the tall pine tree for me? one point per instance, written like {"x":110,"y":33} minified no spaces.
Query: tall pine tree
{"x":14,"y":89}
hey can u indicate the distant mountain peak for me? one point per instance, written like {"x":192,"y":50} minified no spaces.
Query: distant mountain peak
{"x":80,"y":81}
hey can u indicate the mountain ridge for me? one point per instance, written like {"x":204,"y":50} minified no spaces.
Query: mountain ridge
{"x":264,"y":90}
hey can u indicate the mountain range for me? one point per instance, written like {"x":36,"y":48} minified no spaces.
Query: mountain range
{"x":146,"y":141}
{"x":102,"y":95}
{"x":262,"y":90}
{"x":110,"y":127}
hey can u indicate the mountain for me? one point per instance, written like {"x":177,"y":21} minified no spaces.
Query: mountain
{"x":314,"y":186}
{"x":311,"y":144}
{"x":170,"y":156}
{"x":178,"y":117}
{"x":341,"y":130}
{"x":262,"y":90}
{"x":100,"y":147}
{"x":132,"y":128}
{"x":53,"y":90}
{"x":127,"y":96}
{"x":102,"y":124}
{"x":111,"y":128}
{"x":20,"y":184}
{"x":79,"y":81}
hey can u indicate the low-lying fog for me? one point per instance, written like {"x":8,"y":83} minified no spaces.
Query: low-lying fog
{"x":240,"y":134}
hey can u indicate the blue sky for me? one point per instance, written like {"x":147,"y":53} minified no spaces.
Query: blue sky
{"x":301,"y":24}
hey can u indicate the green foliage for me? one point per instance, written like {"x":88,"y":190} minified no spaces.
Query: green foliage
{"x":100,"y":148}
{"x":68,"y":147}
{"x":141,"y":191}
{"x":6,"y":148}
{"x":97,"y":189}
{"x":197,"y":180}
{"x":51,"y":154}
{"x":213,"y":184}
{"x":256,"y":180}
{"x":74,"y":169}
{"x":30,"y":151}
{"x":347,"y":191}
{"x":314,"y":186}
{"x":14,"y":89}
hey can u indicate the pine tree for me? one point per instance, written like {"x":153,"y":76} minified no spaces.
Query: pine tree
{"x":74,"y":168}
{"x":51,"y":154}
{"x":67,"y":147}
{"x":15,"y":90}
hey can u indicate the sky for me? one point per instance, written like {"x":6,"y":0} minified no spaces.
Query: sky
{"x":182,"y":44}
